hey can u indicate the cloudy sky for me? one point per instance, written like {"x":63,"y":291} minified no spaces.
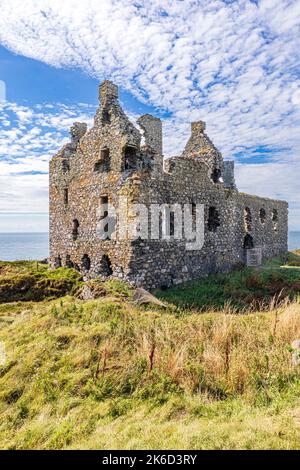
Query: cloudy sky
{"x":233,"y":64}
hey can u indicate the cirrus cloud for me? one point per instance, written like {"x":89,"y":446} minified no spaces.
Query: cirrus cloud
{"x":234,"y":64}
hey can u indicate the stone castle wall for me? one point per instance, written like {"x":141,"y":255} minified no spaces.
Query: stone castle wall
{"x":114,"y":159}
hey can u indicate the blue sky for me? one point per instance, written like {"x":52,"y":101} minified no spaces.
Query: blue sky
{"x":235,"y":65}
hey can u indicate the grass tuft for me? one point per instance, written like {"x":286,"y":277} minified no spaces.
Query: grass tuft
{"x":108,"y":374}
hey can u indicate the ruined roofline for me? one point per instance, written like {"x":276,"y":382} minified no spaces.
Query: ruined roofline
{"x":148,"y":115}
{"x":146,"y":132}
{"x":108,"y":91}
{"x":198,"y":140}
{"x":150,"y":127}
{"x":226,"y":179}
{"x":262,"y":198}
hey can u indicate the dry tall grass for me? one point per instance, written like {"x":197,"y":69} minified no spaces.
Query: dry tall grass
{"x":78,"y":369}
{"x":222,"y":354}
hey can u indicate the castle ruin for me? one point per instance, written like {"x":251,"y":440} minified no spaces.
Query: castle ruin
{"x":116,"y":161}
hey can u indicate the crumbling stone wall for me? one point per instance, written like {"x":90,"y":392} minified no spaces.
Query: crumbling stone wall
{"x":115,"y":159}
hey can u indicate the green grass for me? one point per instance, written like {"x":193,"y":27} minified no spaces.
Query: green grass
{"x":247,"y":288}
{"x":79,"y":375}
{"x":108,"y":374}
{"x":33,"y":281}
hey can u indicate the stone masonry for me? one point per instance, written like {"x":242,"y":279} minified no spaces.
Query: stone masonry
{"x":115,"y":160}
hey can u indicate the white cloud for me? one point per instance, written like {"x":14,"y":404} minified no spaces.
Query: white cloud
{"x":2,"y":91}
{"x":275,"y":180}
{"x":233,"y":64}
{"x":24,"y":193}
{"x":26,"y":148}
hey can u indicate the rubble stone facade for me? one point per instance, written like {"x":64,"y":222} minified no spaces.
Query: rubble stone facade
{"x":116,"y":159}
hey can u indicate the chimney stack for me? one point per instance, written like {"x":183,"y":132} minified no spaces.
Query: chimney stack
{"x":108,"y":92}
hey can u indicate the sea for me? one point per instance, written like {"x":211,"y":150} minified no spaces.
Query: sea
{"x":294,"y":240}
{"x":24,"y":246}
{"x":35,"y":246}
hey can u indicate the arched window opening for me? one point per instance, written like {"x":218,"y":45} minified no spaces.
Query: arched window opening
{"x":248,"y":242}
{"x":213,"y":219}
{"x":148,"y":162}
{"x":97,"y":167}
{"x":216,"y":175}
{"x":105,"y":117}
{"x":75,"y":229}
{"x":57,"y":262}
{"x":86,"y":262}
{"x":65,"y":166}
{"x":247,"y":219}
{"x":274,"y":217}
{"x":105,"y":266}
{"x":103,"y":163}
{"x":66,"y":196}
{"x":130,"y":162}
{"x":262,"y":216}
{"x":69,"y":262}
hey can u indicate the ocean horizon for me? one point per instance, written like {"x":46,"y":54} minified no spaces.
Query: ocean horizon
{"x":24,"y":246}
{"x":35,"y":245}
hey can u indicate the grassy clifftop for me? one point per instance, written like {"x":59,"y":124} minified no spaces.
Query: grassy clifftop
{"x":245,"y":289}
{"x":31,"y":280}
{"x":242,"y":289}
{"x":108,"y":373}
